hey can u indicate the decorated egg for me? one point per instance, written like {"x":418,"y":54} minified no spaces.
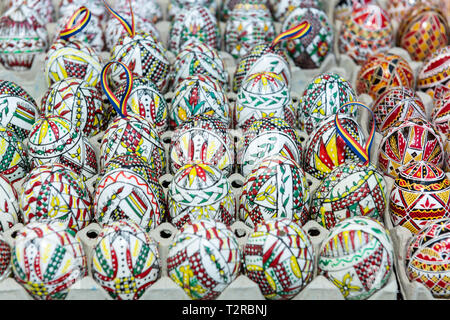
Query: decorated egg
{"x":349,"y":190}
{"x":193,"y":24}
{"x":368,"y":30}
{"x":227,"y":7}
{"x":248,"y":25}
{"x":427,"y":258}
{"x":407,"y":141}
{"x":55,"y":139}
{"x":397,"y":9}
{"x":199,"y":94}
{"x":420,"y":194}
{"x":325,"y":149}
{"x":48,"y":276}
{"x":54,"y":191}
{"x":276,"y":188}
{"x":5,"y":259}
{"x":144,"y":56}
{"x":125,"y":260}
{"x":22,"y":36}
{"x":146,"y":101}
{"x":344,"y":8}
{"x":203,"y":139}
{"x":114,"y":30}
{"x":146,"y":9}
{"x":133,"y":134}
{"x":96,"y":7}
{"x":18,"y":109}
{"x":72,"y":59}
{"x":262,"y":57}
{"x":78,"y":102}
{"x":263,"y":95}
{"x":435,"y":71}
{"x":197,"y":58}
{"x":204,"y":258}
{"x":440,"y":114}
{"x":280,"y":9}
{"x":14,"y":162}
{"x":128,"y":188}
{"x":423,"y":30}
{"x":323,"y":97}
{"x":9,"y":208}
{"x":200,"y":191}
{"x":309,"y":51}
{"x":279,"y":269}
{"x":267,"y":137}
{"x":382,"y":71}
{"x":44,"y":8}
{"x":397,"y":104}
{"x":357,"y":257}
{"x":176,"y":6}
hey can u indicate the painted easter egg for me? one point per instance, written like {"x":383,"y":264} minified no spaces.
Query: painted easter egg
{"x":435,"y":71}
{"x":176,"y":6}
{"x":357,"y":256}
{"x":44,"y":8}
{"x":146,"y":9}
{"x":9,"y":208}
{"x":14,"y":161}
{"x":280,"y":9}
{"x":344,"y":8}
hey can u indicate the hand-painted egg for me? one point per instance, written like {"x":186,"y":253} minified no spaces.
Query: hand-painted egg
{"x":282,"y":8}
{"x":194,"y":24}
{"x":427,"y":258}
{"x":44,"y":8}
{"x":133,"y":134}
{"x":262,"y":57}
{"x":72,"y":59}
{"x":125,"y":260}
{"x":440,"y":114}
{"x":96,"y":7}
{"x":54,"y":139}
{"x":149,"y":10}
{"x":144,"y":56}
{"x":56,"y":192}
{"x":351,"y":189}
{"x":435,"y":71}
{"x":423,"y":31}
{"x":267,"y":137}
{"x":344,"y":8}
{"x":18,"y":109}
{"x":199,"y":58}
{"x":196,"y":95}
{"x":323,"y":96}
{"x":383,"y":71}
{"x":357,"y":256}
{"x":397,"y":104}
{"x":22,"y":36}
{"x":48,"y":276}
{"x":114,"y":30}
{"x":204,"y":258}
{"x":9,"y":207}
{"x":276,"y":188}
{"x":203,"y":139}
{"x":92,"y":34}
{"x":407,"y":141}
{"x":397,"y":9}
{"x":127,"y":188}
{"x":200,"y":191}
{"x":325,"y":149}
{"x":78,"y":102}
{"x":14,"y":162}
{"x":146,"y":101}
{"x":263,"y":95}
{"x":367,"y":31}
{"x":309,"y":51}
{"x":227,"y":7}
{"x":5,"y":259}
{"x":420,"y":194}
{"x":248,"y":25}
{"x":176,"y":6}
{"x":279,"y":269}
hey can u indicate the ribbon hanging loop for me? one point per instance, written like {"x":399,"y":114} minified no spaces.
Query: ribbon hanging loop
{"x":129,"y":27}
{"x":296,"y":32}
{"x":70,"y":29}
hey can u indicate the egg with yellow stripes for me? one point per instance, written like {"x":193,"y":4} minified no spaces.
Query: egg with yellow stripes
{"x":125,"y":260}
{"x":279,"y":257}
{"x":357,"y":257}
{"x":204,"y":259}
{"x":54,"y":191}
{"x":48,"y":259}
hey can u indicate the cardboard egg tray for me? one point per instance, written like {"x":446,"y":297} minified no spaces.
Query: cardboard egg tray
{"x":242,"y":288}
